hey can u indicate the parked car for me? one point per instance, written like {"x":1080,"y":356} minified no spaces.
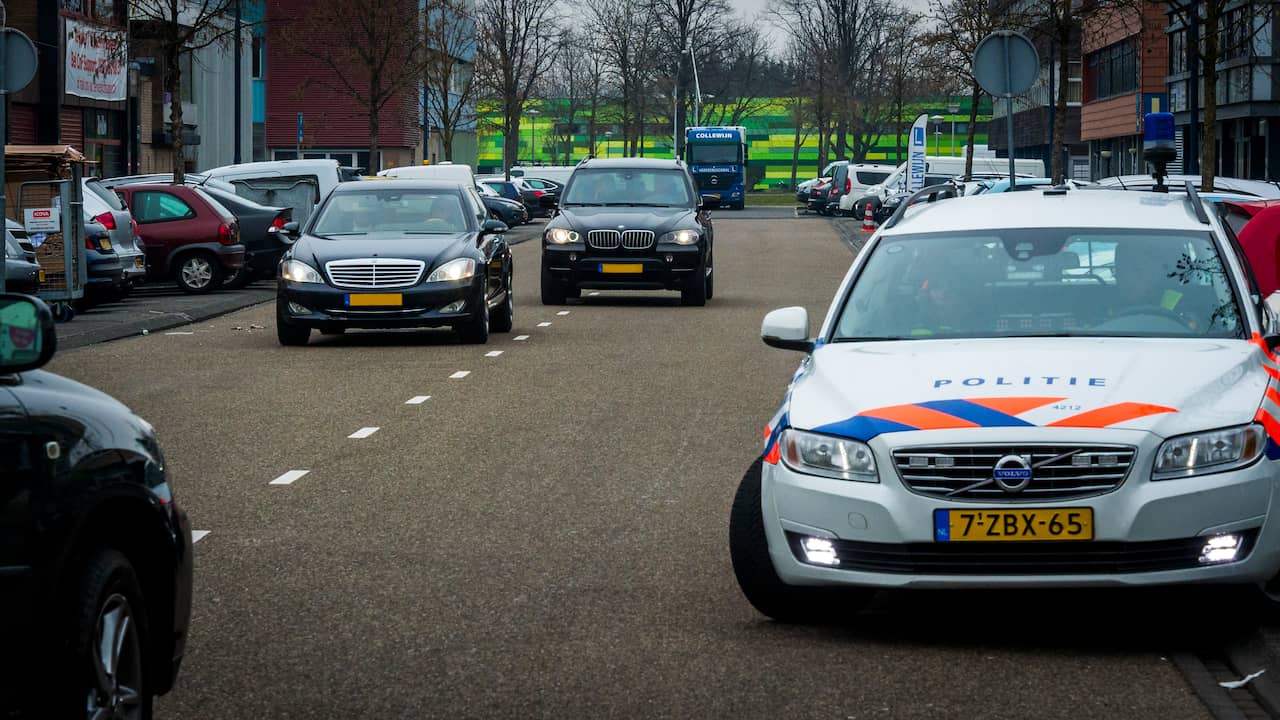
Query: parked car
{"x":260,"y":231}
{"x":630,"y":224}
{"x":21,"y":271}
{"x":1256,"y":225}
{"x":105,"y":207}
{"x":187,"y":235}
{"x":19,"y":233}
{"x":393,"y":254}
{"x":817,"y":199}
{"x":105,"y":276}
{"x":856,"y":178}
{"x":550,"y":190}
{"x":95,"y":551}
{"x":511,"y":212}
{"x":518,"y":190}
{"x":298,"y":184}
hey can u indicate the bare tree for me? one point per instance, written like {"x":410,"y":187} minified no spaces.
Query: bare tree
{"x":622,"y":29}
{"x":906,"y":70}
{"x":448,"y":77}
{"x":681,"y":28}
{"x":566,"y":89}
{"x":518,"y":45}
{"x":369,"y":50}
{"x":743,"y":77}
{"x":174,"y":29}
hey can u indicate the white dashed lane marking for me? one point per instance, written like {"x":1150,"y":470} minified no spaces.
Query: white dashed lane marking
{"x":544,"y":324}
{"x":493,"y":353}
{"x":289,"y":477}
{"x":179,"y":333}
{"x":363,"y":433}
{"x":563,"y":312}
{"x":522,"y":337}
{"x":198,"y":535}
{"x":460,"y":374}
{"x":592,"y":294}
{"x":417,"y":400}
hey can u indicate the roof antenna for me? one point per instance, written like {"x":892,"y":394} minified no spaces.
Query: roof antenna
{"x":1158,"y":146}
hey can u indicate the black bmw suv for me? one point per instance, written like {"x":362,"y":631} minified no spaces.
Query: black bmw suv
{"x":629,"y":224}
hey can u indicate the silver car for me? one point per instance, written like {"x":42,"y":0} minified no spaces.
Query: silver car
{"x":105,"y":207}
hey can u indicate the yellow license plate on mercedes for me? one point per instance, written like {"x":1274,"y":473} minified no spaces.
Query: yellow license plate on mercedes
{"x":1013,"y":525}
{"x":375,"y":300}
{"x":622,"y":268}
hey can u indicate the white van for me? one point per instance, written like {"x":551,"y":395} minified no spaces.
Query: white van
{"x":439,"y":171}
{"x":299,"y":184}
{"x":860,"y":177}
{"x":953,"y":166}
{"x":558,"y":174}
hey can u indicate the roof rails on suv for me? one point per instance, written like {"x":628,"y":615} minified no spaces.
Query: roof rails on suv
{"x":935,"y":193}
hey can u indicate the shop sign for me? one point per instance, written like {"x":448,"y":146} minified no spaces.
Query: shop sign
{"x":95,"y":61}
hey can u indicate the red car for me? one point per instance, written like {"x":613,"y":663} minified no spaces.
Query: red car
{"x":188,"y":236}
{"x":1257,"y":226}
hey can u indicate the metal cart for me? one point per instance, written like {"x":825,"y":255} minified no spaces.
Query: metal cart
{"x":48,"y":185}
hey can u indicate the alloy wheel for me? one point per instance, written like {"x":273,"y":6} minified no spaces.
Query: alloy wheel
{"x":197,"y":272}
{"x":116,"y":691}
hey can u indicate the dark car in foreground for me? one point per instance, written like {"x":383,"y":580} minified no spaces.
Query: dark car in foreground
{"x":629,"y":224}
{"x":95,"y":553}
{"x":396,"y":254}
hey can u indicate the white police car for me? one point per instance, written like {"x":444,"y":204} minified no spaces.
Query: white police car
{"x":1057,"y":388}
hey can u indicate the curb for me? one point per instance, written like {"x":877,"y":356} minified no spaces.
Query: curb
{"x":218,"y":305}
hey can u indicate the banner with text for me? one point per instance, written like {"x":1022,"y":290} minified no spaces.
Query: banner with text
{"x":95,"y":61}
{"x":916,"y":148}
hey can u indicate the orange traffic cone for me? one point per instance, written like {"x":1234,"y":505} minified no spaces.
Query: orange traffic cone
{"x":868,"y":225}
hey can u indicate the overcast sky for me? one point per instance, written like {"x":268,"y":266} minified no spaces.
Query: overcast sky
{"x":751,"y":8}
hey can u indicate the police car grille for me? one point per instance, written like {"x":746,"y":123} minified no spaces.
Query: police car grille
{"x":375,"y":273}
{"x":957,"y":472}
{"x":604,"y":239}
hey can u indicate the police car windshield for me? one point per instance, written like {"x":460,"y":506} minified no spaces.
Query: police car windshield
{"x":624,"y":187}
{"x":1038,"y":282}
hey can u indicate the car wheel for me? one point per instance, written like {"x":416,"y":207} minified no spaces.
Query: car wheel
{"x":711,"y":276}
{"x":502,"y":319}
{"x":753,"y":567}
{"x":197,"y":273}
{"x":552,"y":292}
{"x":475,"y":330}
{"x":696,"y":294}
{"x":110,"y":635}
{"x":289,"y":334}
{"x":239,"y":279}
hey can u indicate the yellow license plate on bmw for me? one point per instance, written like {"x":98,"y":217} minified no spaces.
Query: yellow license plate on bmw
{"x":622,"y":268}
{"x":1013,"y":525}
{"x":375,"y":300}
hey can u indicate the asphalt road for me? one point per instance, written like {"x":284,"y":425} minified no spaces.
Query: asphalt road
{"x":546,"y":535}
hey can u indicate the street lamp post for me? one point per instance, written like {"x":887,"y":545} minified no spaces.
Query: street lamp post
{"x":937,"y":134}
{"x":953,"y":109}
{"x":697,"y":88}
{"x":533,"y":144}
{"x":608,"y":151}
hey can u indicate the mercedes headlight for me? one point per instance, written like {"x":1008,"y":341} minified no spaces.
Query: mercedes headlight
{"x":680,"y":237}
{"x":299,"y":272}
{"x":828,"y":456}
{"x":561,"y":236}
{"x":459,"y":269}
{"x":1209,"y":452}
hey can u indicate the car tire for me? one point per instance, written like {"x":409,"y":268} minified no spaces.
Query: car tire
{"x":552,"y":292}
{"x":503,"y":318}
{"x":108,"y":601}
{"x":696,"y":294}
{"x":239,"y":279}
{"x":197,"y":273}
{"x":289,"y":334}
{"x":711,"y":276}
{"x":475,"y":329}
{"x":759,"y":582}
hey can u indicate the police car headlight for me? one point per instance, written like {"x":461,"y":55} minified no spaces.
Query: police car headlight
{"x":561,"y":236}
{"x":1209,"y":452}
{"x":680,"y":237}
{"x":828,"y":456}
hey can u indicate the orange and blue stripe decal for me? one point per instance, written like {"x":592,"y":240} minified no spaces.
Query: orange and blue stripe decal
{"x":980,"y":412}
{"x":1268,"y":414}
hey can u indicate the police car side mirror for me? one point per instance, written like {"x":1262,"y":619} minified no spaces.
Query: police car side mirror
{"x":788,"y":329}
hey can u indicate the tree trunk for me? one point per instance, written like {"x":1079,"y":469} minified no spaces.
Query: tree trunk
{"x":1209,"y":71}
{"x":511,"y":137}
{"x":174,"y":88}
{"x":446,"y":141}
{"x":973,"y":121}
{"x":591,"y":129}
{"x":795,"y":146}
{"x":375,"y":97}
{"x":1060,"y":104}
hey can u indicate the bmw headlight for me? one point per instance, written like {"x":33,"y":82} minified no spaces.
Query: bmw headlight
{"x":459,"y":269}
{"x":299,"y":272}
{"x":828,"y":456}
{"x":1209,"y":452}
{"x":680,"y":237}
{"x":561,"y":236}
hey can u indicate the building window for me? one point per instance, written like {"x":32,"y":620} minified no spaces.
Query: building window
{"x":1114,"y":69}
{"x":259,"y":61}
{"x":1177,"y":52}
{"x":1178,"y":96}
{"x":1074,"y":81}
{"x":188,"y":88}
{"x":1236,"y":35}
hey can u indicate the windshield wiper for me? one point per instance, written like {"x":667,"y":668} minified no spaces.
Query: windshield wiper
{"x":634,"y":204}
{"x":340,"y":234}
{"x":883,"y":338}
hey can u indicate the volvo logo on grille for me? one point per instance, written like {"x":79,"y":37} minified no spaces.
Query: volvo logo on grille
{"x":1012,"y":473}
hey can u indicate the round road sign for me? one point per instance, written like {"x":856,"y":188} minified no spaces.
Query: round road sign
{"x":19,"y":60}
{"x":1005,"y":63}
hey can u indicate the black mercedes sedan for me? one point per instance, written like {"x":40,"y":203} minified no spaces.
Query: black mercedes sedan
{"x":396,"y":254}
{"x":95,"y":553}
{"x":629,"y":224}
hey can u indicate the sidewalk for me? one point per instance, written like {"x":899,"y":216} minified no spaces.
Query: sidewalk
{"x":156,"y":306}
